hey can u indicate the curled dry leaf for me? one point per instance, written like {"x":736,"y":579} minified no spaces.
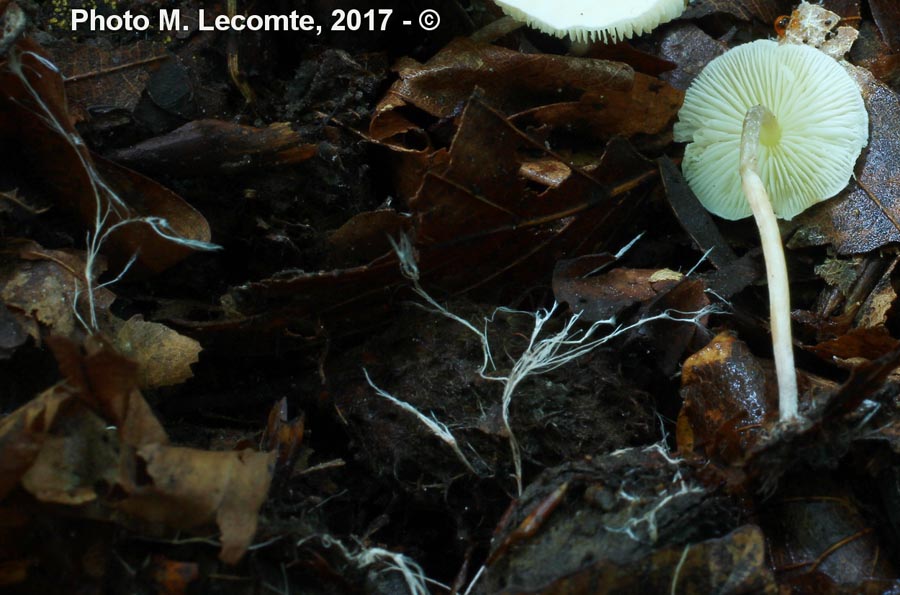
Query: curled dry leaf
{"x":648,"y":107}
{"x":594,"y":98}
{"x":78,"y":456}
{"x":205,"y":147}
{"x":284,"y":436}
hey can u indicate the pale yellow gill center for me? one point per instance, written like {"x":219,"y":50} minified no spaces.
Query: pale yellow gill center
{"x":770,"y":131}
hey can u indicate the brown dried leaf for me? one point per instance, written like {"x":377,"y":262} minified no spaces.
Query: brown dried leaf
{"x":647,"y":108}
{"x":691,"y":48}
{"x":693,"y":217}
{"x":608,"y":295}
{"x":874,"y":311}
{"x":284,"y":436}
{"x":107,"y":381}
{"x":190,"y":488}
{"x":164,"y":357}
{"x":43,"y":284}
{"x":815,"y":525}
{"x":205,"y":147}
{"x":79,"y":454}
{"x":866,"y":343}
{"x":35,"y":119}
{"x":95,"y":430}
{"x":23,"y":433}
{"x":364,"y":237}
{"x":106,"y":77}
{"x":513,"y":81}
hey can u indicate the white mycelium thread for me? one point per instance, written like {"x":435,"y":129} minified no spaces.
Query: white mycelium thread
{"x":806,"y":156}
{"x":592,"y":20}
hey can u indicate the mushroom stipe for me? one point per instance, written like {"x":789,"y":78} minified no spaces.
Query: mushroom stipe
{"x":776,"y":266}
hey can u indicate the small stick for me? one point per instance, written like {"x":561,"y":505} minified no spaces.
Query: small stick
{"x":773,"y":253}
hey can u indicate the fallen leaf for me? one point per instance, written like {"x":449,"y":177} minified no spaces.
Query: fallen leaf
{"x":694,"y":218}
{"x":47,"y":286}
{"x":34,"y":118}
{"x":189,"y":488}
{"x":865,"y":343}
{"x":108,"y":382}
{"x":607,"y":295}
{"x":164,"y":357}
{"x":23,"y":433}
{"x":887,"y":16}
{"x":814,"y":524}
{"x":205,"y":147}
{"x":513,"y":81}
{"x":648,"y":107}
{"x":77,"y":457}
{"x":96,"y":76}
{"x":691,"y":49}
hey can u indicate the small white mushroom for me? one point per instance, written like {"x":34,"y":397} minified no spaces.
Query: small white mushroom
{"x":591,"y":20}
{"x":772,"y":129}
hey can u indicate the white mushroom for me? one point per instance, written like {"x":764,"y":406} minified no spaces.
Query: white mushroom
{"x":772,"y":129}
{"x":591,"y":20}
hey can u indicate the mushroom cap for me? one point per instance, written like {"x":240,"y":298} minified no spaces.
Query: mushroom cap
{"x":820,"y":110}
{"x":589,"y":20}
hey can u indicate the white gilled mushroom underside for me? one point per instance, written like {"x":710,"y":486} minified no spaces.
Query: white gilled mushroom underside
{"x":772,"y":129}
{"x":593,"y":20}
